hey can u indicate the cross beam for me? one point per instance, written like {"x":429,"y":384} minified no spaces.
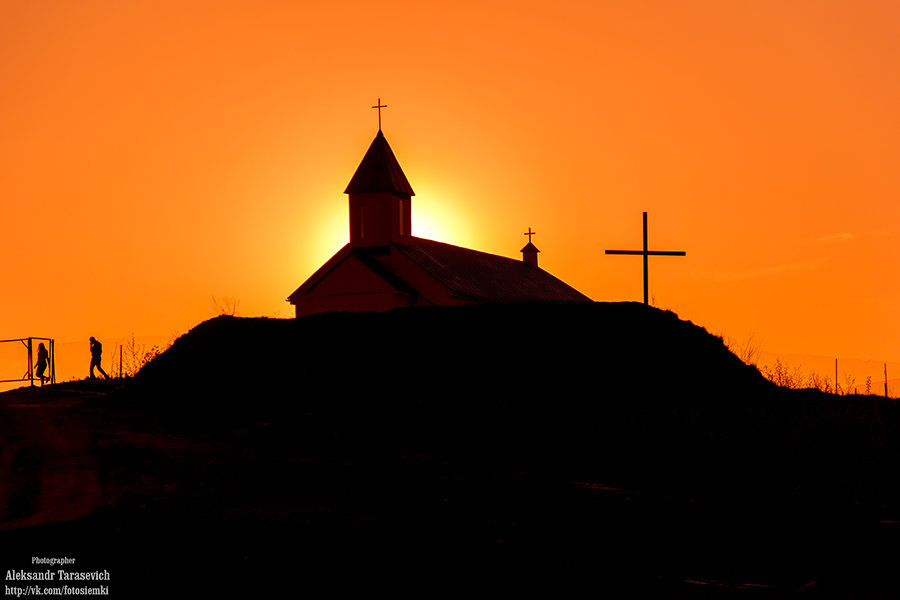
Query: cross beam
{"x":646,"y":253}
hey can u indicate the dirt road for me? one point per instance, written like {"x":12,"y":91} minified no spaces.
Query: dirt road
{"x":47,"y":469}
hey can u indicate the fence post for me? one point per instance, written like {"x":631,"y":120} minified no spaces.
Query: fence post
{"x":30,"y":366}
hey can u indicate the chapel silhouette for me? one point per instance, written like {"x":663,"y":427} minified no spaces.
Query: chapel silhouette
{"x":384,"y":266}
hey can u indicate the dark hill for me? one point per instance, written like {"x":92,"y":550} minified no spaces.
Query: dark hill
{"x":552,"y":451}
{"x":567,"y":382}
{"x":523,"y":402}
{"x":532,"y":349}
{"x":546,"y":354}
{"x":621,"y":387}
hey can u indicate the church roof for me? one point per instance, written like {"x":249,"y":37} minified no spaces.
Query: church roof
{"x":379,"y":171}
{"x":486,"y":277}
{"x":466,"y":273}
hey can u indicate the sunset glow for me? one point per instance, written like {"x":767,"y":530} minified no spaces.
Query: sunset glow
{"x":154,"y":155}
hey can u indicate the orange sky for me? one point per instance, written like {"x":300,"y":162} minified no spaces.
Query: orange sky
{"x":156,"y":154}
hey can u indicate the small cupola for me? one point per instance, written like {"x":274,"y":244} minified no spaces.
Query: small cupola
{"x":530,"y":251}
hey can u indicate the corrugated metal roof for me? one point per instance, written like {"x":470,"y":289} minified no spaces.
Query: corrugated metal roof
{"x":486,"y":277}
{"x":379,"y":171}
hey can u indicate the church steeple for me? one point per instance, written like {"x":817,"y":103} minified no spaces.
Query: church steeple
{"x":380,"y":197}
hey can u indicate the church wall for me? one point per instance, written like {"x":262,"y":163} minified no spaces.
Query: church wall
{"x":347,"y":303}
{"x":350,"y":286}
{"x":350,"y":277}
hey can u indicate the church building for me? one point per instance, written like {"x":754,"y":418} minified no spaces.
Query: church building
{"x":384,"y":266}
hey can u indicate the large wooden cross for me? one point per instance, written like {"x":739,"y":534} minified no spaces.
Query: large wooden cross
{"x":379,"y":106}
{"x":529,"y":234}
{"x":645,"y":253}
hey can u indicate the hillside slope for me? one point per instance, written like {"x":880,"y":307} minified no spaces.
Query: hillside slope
{"x":531,"y":351}
{"x":599,"y":450}
{"x":621,"y":389}
{"x":548,"y":379}
{"x":573,"y":382}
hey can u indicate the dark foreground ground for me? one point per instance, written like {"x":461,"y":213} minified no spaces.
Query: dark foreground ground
{"x":531,"y":451}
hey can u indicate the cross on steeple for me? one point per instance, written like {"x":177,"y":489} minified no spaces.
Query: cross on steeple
{"x":645,"y":253}
{"x":379,"y":106}
{"x":529,"y":234}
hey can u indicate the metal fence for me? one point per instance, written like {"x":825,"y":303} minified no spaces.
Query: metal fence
{"x":29,"y":344}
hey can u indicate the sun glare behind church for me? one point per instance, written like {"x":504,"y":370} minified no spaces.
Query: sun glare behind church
{"x":432,"y":219}
{"x":330,"y":236}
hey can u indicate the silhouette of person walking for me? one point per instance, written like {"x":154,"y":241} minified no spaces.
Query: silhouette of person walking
{"x":43,"y":359}
{"x":96,"y":351}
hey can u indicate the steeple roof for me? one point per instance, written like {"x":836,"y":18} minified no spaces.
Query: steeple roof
{"x":379,"y":171}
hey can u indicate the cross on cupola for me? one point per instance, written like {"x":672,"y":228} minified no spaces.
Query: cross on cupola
{"x":379,"y":106}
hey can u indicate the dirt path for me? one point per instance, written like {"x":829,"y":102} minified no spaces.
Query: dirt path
{"x":47,"y":470}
